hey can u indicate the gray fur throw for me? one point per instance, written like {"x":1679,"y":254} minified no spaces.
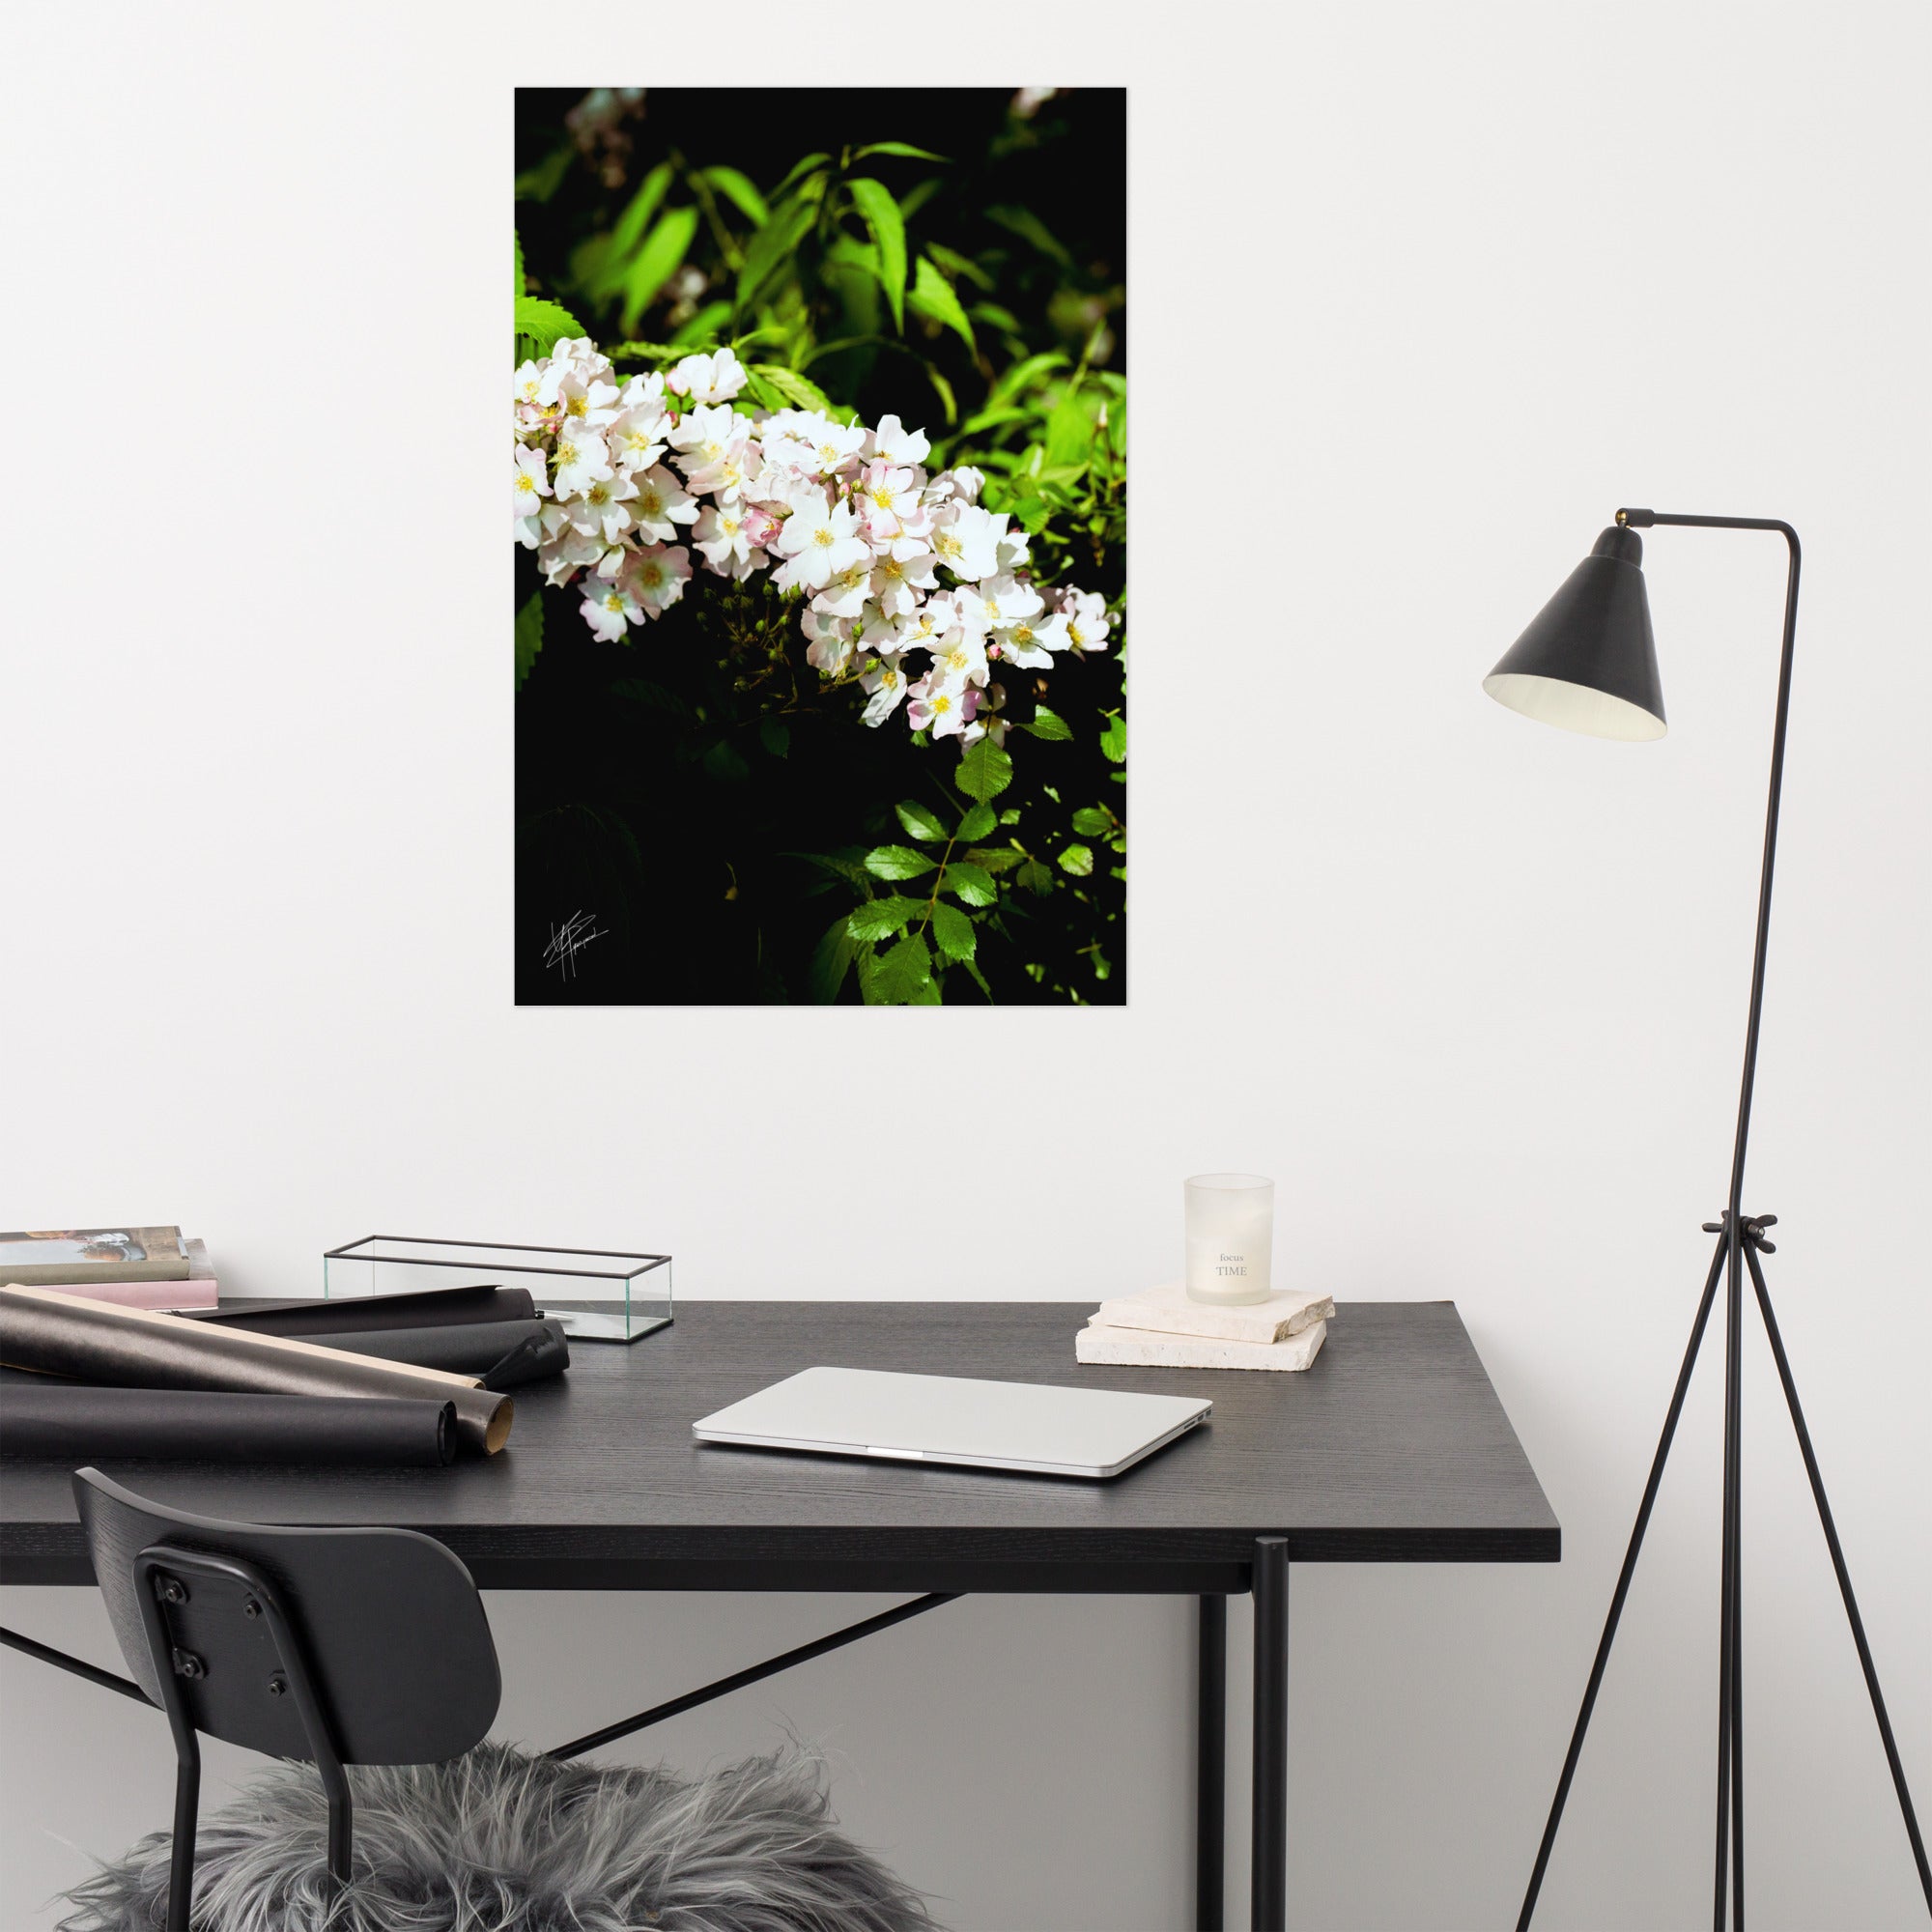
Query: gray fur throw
{"x":496,"y":1841}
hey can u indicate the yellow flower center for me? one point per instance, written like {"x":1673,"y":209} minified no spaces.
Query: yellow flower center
{"x":651,"y":504}
{"x":1073,"y":636}
{"x":882,"y":495}
{"x":566,"y":455}
{"x":526,"y":481}
{"x":947,"y":544}
{"x":890,"y":679}
{"x":892,"y":568}
{"x":598,"y":494}
{"x":941,"y":706}
{"x":1022,"y":633}
{"x":576,"y":405}
{"x":827,"y":456}
{"x":822,"y":537}
{"x":651,"y":575}
{"x":612,"y":601}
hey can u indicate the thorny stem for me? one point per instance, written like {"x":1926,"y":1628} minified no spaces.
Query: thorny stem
{"x":938,"y":880}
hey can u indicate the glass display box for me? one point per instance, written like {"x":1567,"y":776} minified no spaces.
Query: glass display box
{"x":598,"y":1296}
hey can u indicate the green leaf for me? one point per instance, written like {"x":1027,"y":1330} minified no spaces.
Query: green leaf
{"x":1077,"y":860}
{"x":800,"y":391}
{"x":958,"y":264}
{"x":644,"y":691}
{"x":1070,"y":433}
{"x":1029,"y":227}
{"x":1091,"y":822}
{"x":901,"y":975}
{"x":994,"y":418}
{"x":540,"y":183}
{"x":529,"y":635}
{"x":799,"y":170}
{"x":971,"y":882}
{"x":544,"y":322}
{"x":831,"y":960}
{"x":899,"y":147}
{"x":725,"y":764}
{"x":994,"y":857}
{"x":657,"y":261}
{"x":1034,"y":877}
{"x":1045,"y":723}
{"x":919,"y":821}
{"x":933,"y":296}
{"x":1114,"y":740}
{"x":896,"y":862}
{"x":1012,"y":381}
{"x":631,"y":225}
{"x":702,"y":327}
{"x":995,"y":317}
{"x":985,"y":771}
{"x":739,"y":191}
{"x":761,"y":393}
{"x":976,"y":824}
{"x":877,"y":918}
{"x":775,"y":734}
{"x":838,"y":864}
{"x":874,"y":200}
{"x":952,"y":932}
{"x":517,"y":242}
{"x":773,"y":243}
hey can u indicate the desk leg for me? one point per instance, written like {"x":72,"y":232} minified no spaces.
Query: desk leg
{"x":1211,"y":1767}
{"x":1270,"y":1892}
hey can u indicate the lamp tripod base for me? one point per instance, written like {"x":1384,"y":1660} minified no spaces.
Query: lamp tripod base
{"x":1741,"y":1240}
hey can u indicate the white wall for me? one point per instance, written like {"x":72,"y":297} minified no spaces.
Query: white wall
{"x":1420,"y":295}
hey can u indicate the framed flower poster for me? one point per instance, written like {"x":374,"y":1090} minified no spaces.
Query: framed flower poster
{"x":819,"y":515}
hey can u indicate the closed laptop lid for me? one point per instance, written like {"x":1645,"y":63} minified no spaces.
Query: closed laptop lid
{"x":955,"y":1419}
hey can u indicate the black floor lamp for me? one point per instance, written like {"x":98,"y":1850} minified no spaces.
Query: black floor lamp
{"x":1588,"y":663}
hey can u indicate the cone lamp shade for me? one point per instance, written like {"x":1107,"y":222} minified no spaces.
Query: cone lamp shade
{"x":1588,"y":662}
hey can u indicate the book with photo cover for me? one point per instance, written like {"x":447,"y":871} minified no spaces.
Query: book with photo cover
{"x":57,"y":1256}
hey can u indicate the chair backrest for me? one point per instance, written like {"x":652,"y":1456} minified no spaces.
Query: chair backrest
{"x":390,"y":1629}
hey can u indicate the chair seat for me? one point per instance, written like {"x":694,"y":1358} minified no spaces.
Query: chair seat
{"x":498,"y":1841}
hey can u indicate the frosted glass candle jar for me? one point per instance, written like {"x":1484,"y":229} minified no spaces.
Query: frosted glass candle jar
{"x":1230,"y":1236}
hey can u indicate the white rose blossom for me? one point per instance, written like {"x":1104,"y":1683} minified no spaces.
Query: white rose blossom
{"x":908,"y":585}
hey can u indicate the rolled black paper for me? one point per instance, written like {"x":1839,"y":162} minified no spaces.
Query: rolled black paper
{"x":363,"y":1314}
{"x":72,"y":1424}
{"x":465,"y":1348}
{"x":137,"y":1347}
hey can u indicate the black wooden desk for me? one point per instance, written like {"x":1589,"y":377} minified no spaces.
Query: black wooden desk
{"x":1392,"y":1447}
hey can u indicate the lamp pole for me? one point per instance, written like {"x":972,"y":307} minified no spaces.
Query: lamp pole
{"x":1741,"y":1240}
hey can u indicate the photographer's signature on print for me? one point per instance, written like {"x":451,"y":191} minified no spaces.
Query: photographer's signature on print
{"x":568,"y":940}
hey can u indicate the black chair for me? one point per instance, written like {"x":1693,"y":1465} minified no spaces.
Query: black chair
{"x":330,"y":1646}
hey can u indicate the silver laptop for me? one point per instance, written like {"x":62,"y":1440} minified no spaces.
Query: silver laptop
{"x":980,"y":1425}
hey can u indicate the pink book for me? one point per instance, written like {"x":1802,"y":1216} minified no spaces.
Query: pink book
{"x":160,"y":1294}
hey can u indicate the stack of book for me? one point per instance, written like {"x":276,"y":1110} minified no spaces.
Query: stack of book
{"x":1162,"y":1328}
{"x":131,"y":1268}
